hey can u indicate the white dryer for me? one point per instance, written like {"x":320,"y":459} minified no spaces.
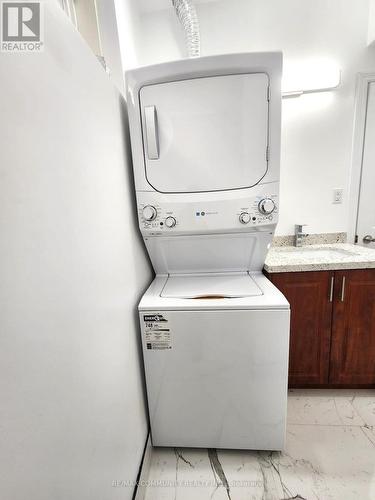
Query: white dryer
{"x":205,"y":139}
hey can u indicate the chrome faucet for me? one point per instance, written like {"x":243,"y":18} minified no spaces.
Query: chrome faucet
{"x":299,"y":235}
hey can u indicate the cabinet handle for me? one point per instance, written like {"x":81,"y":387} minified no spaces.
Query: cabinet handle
{"x":343,"y":289}
{"x":331,"y":289}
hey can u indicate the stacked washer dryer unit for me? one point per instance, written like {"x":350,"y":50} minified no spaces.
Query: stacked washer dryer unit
{"x":205,"y":139}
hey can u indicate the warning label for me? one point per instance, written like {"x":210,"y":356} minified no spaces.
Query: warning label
{"x":156,"y":331}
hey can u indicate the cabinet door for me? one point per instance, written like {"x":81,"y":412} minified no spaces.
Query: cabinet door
{"x":310,"y":298}
{"x":353,"y":330}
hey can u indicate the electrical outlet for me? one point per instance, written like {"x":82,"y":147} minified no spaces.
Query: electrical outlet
{"x":338,"y":195}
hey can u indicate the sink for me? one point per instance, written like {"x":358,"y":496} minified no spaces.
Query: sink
{"x":319,"y":253}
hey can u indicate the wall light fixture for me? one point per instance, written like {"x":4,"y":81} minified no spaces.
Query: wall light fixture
{"x":308,"y":76}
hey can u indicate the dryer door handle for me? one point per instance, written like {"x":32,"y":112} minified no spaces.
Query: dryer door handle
{"x":152,"y":135}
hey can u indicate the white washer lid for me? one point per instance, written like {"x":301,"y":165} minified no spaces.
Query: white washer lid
{"x":210,"y":286}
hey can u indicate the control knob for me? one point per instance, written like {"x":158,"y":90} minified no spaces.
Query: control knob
{"x":170,"y":222}
{"x":244,"y":217}
{"x":149,"y":213}
{"x":266,"y":206}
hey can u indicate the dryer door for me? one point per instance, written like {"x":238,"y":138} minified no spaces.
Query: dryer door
{"x":206,"y":134}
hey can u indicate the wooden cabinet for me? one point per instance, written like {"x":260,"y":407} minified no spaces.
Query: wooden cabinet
{"x":310,"y":324}
{"x":353,"y":328}
{"x":332,"y":338}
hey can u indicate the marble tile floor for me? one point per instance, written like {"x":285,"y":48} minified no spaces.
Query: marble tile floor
{"x":330,"y":455}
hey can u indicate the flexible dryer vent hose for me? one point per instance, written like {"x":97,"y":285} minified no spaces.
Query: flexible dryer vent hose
{"x":188,"y":18}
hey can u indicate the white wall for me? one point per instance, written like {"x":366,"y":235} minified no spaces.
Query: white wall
{"x":128,"y":22}
{"x":72,"y":267}
{"x":317,"y":129}
{"x":109,"y":40}
{"x":371,"y":23}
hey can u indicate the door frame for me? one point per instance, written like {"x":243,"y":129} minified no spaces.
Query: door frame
{"x":360,"y":115}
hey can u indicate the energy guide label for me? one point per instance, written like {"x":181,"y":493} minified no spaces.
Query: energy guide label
{"x":156,"y":331}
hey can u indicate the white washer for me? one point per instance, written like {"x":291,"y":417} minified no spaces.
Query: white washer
{"x":205,"y":137}
{"x":216,"y":368}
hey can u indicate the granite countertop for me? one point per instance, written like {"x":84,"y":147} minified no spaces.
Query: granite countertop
{"x":333,"y":256}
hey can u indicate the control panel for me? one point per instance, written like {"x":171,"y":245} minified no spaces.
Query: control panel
{"x":178,"y":214}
